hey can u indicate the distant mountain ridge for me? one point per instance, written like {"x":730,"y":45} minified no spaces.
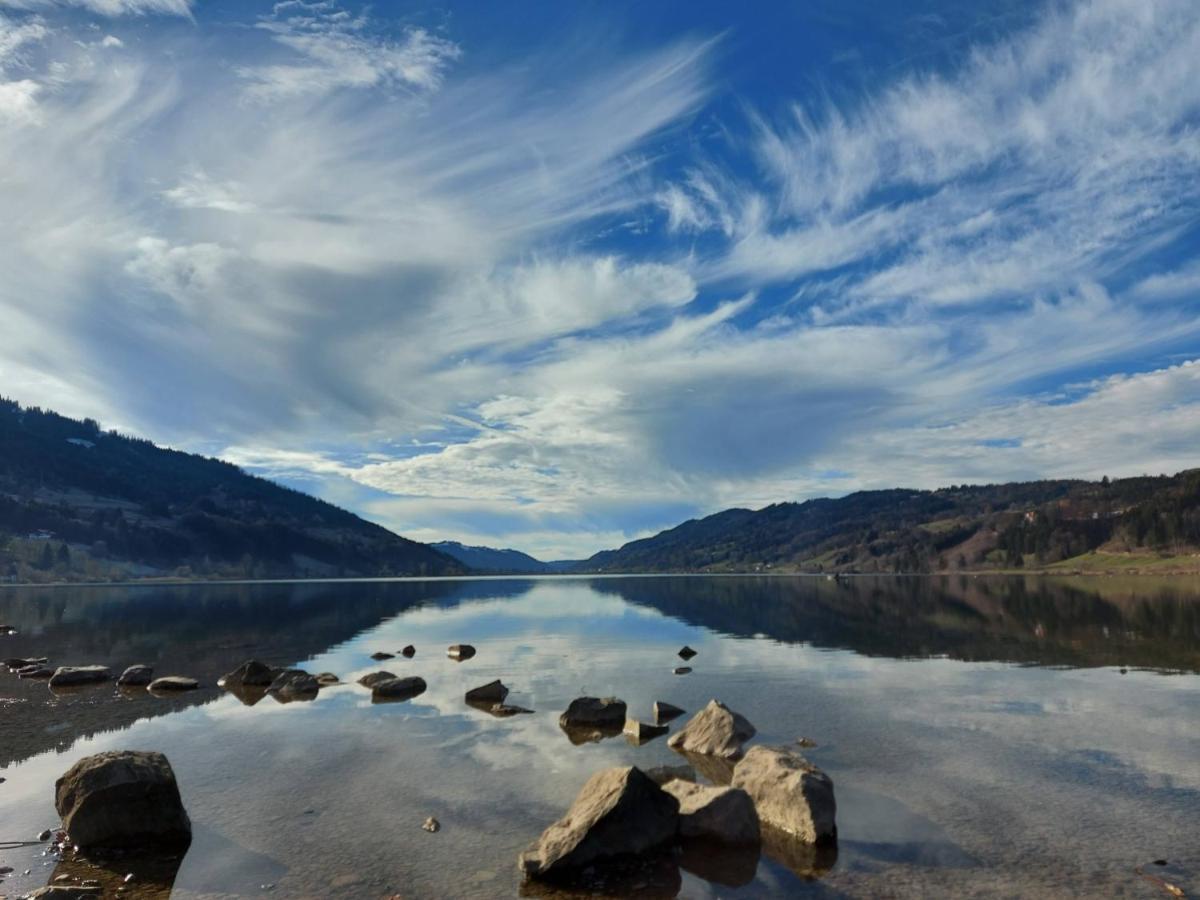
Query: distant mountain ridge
{"x":1146,"y":522}
{"x":490,"y":559}
{"x":79,"y":503}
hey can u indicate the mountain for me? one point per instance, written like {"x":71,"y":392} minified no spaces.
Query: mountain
{"x":489,"y":559}
{"x":1143,"y":523}
{"x":78,"y":503}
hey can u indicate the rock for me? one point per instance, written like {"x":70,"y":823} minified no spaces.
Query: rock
{"x":396,"y":689}
{"x":122,"y":798}
{"x":460,"y":652}
{"x":660,"y":775}
{"x":687,"y":653}
{"x":665,"y":712}
{"x":641,"y":732}
{"x":682,"y":670}
{"x":432,"y":825}
{"x":805,"y":742}
{"x":594,"y":711}
{"x":499,"y":710}
{"x":715,"y":731}
{"x":251,"y":673}
{"x":65,"y":892}
{"x":16,"y":662}
{"x":619,"y":812}
{"x":170,"y":684}
{"x":374,"y":678}
{"x":327,"y":679}
{"x":66,"y":676}
{"x":37,"y":672}
{"x":410,"y":651}
{"x":493,"y":691}
{"x":808,"y":861}
{"x":790,"y":793}
{"x":380,"y":656}
{"x":8,"y":629}
{"x":293,"y":684}
{"x":136,"y":676}
{"x":722,"y":814}
{"x":45,"y":835}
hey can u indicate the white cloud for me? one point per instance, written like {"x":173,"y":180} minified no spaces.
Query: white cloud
{"x":109,"y":7}
{"x":337,"y":50}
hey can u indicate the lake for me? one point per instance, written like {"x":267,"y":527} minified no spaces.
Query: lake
{"x":986,"y":736}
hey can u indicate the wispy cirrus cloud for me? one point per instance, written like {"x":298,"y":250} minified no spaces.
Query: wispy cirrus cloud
{"x":108,"y":7}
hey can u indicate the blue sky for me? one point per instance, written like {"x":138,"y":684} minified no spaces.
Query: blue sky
{"x":556,"y":276}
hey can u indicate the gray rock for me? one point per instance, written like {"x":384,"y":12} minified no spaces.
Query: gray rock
{"x":375,"y":678}
{"x":173,"y":684}
{"x":722,"y":814}
{"x":66,"y":676}
{"x":17,"y":662}
{"x":619,"y":812}
{"x":585,"y":712}
{"x":660,"y":775}
{"x":714,"y":731}
{"x":790,"y":793}
{"x":641,"y":732}
{"x":251,"y":673}
{"x":136,"y":676}
{"x":459,"y":652}
{"x":665,"y":712}
{"x":398,"y":689}
{"x":293,"y":684}
{"x":493,"y":691}
{"x":124,"y":798}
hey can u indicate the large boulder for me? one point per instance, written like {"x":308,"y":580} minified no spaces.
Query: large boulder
{"x":790,"y":793}
{"x":722,"y":814}
{"x":396,"y":689}
{"x":251,"y":673}
{"x":124,"y":798}
{"x":136,"y":676}
{"x":493,"y":691}
{"x":68,"y":676}
{"x":620,"y":812}
{"x":714,"y":731}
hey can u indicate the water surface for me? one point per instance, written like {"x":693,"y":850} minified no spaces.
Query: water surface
{"x":986,"y":736}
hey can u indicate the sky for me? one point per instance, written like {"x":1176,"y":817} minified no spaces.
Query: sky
{"x":557,"y":276}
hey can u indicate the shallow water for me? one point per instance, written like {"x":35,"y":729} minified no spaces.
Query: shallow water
{"x":986,"y":736}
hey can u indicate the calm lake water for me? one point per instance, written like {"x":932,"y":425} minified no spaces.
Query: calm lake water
{"x":986,"y":736}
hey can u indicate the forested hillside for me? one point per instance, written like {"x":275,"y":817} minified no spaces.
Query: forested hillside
{"x":77,"y":502}
{"x":1129,"y":522}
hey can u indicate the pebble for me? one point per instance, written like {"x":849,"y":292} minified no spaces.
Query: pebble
{"x":46,"y":835}
{"x":682,"y":670}
{"x":431,"y":825}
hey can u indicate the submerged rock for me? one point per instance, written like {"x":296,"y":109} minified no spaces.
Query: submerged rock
{"x":665,"y":712}
{"x":122,"y":798}
{"x":790,"y":793}
{"x":251,"y":673}
{"x":661,"y":775}
{"x":397,"y":689}
{"x":641,"y":732}
{"x":714,"y":731}
{"x":294,"y":684}
{"x":493,"y":691}
{"x":173,"y":684}
{"x":619,"y":812}
{"x":722,"y":814}
{"x":499,"y":710}
{"x":67,"y":676}
{"x":459,"y":652}
{"x":375,"y":678}
{"x":136,"y":676}
{"x":16,"y":662}
{"x":682,"y":670}
{"x":380,"y":656}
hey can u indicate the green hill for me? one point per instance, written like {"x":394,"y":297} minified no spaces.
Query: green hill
{"x":1130,"y":523}
{"x":79,"y":503}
